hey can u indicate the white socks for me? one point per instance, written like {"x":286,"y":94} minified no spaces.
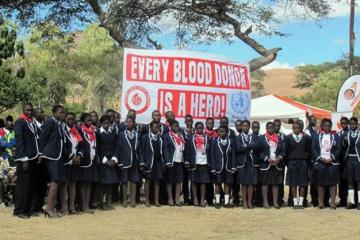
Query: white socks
{"x":295,"y":200}
{"x":226,"y":198}
{"x":217,"y":198}
{"x":298,"y":202}
{"x":301,"y":201}
{"x":351,"y":194}
{"x":358,"y":193}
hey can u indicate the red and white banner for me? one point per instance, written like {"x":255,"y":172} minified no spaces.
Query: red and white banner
{"x":184,"y":82}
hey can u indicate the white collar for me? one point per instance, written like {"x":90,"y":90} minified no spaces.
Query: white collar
{"x":102,"y":130}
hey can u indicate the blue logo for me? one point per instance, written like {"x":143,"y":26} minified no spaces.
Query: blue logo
{"x":240,"y":102}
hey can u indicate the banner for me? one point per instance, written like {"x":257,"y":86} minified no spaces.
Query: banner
{"x":349,"y":94}
{"x":184,"y":82}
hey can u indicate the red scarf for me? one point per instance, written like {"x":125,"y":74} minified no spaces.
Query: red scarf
{"x":211,"y":133}
{"x":177,"y":137}
{"x":274,"y":137}
{"x":25,"y":117}
{"x":199,"y":141}
{"x":89,"y":131}
{"x":75,"y":134}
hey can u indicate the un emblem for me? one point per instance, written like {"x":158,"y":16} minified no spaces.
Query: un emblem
{"x":240,"y":102}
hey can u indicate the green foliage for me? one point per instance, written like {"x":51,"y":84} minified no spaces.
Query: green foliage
{"x":76,"y":108}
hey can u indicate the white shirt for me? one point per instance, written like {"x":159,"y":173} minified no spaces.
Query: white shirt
{"x":297,"y":138}
{"x":179,"y":153}
{"x":201,"y":158}
{"x":326,"y":146}
{"x":273,"y":147}
{"x":74,"y":142}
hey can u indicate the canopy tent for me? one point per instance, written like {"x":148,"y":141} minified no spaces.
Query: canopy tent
{"x":270,"y":107}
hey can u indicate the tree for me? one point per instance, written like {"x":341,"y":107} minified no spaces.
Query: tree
{"x":136,"y":22}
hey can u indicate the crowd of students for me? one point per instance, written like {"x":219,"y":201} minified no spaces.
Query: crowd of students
{"x":78,"y":165}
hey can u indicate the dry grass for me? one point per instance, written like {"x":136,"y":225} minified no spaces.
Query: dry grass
{"x":188,"y":223}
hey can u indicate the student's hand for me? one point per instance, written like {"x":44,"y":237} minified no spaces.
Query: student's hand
{"x":168,"y":166}
{"x":187,"y":166}
{"x":77,"y":160}
{"x":25,"y":165}
{"x":40,"y":160}
{"x":142,"y":169}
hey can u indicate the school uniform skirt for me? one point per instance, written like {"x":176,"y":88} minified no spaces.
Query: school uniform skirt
{"x":352,"y":169}
{"x":157,"y":171}
{"x":89,"y":174}
{"x":73,"y":173}
{"x":56,"y":170}
{"x":297,"y":173}
{"x":325,"y":175}
{"x":223,"y":177}
{"x":272,"y":176}
{"x":108,"y":175}
{"x":175,"y":174}
{"x":248,"y":175}
{"x":131,"y":174}
{"x":200,"y":174}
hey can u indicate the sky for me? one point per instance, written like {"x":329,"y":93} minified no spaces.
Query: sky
{"x":308,"y":42}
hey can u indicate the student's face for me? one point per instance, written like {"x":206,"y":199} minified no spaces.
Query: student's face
{"x":39,"y":114}
{"x":70,"y":120}
{"x":277,"y":127}
{"x":296,"y":129}
{"x":60,"y":114}
{"x":255,"y":127}
{"x":270,"y":128}
{"x":156,"y":116}
{"x":301,"y":124}
{"x":210,"y":124}
{"x":105,"y":124}
{"x":344,"y":124}
{"x":94,"y":117}
{"x":222,"y":133}
{"x":88,"y":122}
{"x":245,"y":127}
{"x":132,"y":114}
{"x":117,"y":117}
{"x":170,"y":116}
{"x":78,"y":124}
{"x":199,"y":129}
{"x":130,"y":124}
{"x":238,"y":126}
{"x":111,"y":116}
{"x":175,"y":127}
{"x":189,"y":122}
{"x":312,"y":121}
{"x":9,"y":124}
{"x":327,"y":127}
{"x":155,"y":129}
{"x":224,"y":122}
{"x":353,"y":125}
{"x":28,"y":111}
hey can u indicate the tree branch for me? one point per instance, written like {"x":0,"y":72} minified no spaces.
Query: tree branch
{"x":157,"y":45}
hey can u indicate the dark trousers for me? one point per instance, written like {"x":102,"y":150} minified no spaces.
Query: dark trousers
{"x":40,"y":188}
{"x":343,"y":187}
{"x":185,"y":188}
{"x":24,"y":190}
{"x":210,"y":193}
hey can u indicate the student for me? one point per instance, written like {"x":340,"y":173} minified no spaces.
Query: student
{"x":106,"y":150}
{"x":156,"y":118}
{"x":88,"y":161}
{"x":272,"y":151}
{"x":247,"y":163}
{"x":26,"y":155}
{"x":152,"y":162}
{"x":72,"y":163}
{"x":128,"y":155}
{"x":51,"y":146}
{"x":326,"y":149}
{"x":189,"y":129}
{"x":7,"y":138}
{"x":352,"y":162}
{"x":238,"y":127}
{"x":198,"y":150}
{"x":95,"y":120}
{"x":277,"y":129}
{"x":298,"y":155}
{"x":223,"y":165}
{"x":255,"y":130}
{"x":343,"y":186}
{"x":174,"y":146}
{"x":209,"y":130}
{"x":224,"y":121}
{"x":169,"y":116}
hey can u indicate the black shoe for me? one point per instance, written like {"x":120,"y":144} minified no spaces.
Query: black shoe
{"x":217,"y":205}
{"x":351,"y":206}
{"x":22,"y":215}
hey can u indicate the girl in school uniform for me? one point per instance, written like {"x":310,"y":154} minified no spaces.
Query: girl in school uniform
{"x":198,"y":150}
{"x":272,"y":152}
{"x":352,"y":162}
{"x":128,"y":155}
{"x":223,"y":165}
{"x":298,"y":153}
{"x":51,"y":146}
{"x":88,"y":161}
{"x":247,"y":163}
{"x":174,"y":146}
{"x":326,"y":150}
{"x":72,"y":162}
{"x":106,"y":150}
{"x":209,"y":130}
{"x":151,"y":161}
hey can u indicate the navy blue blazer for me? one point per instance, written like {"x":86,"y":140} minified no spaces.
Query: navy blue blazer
{"x":106,"y":144}
{"x":217,"y":161}
{"x":346,"y":139}
{"x":84,"y":151}
{"x":169,"y":150}
{"x":191,"y":150}
{"x":147,"y":129}
{"x":125,"y":152}
{"x":26,"y":142}
{"x":69,"y":155}
{"x":245,"y":150}
{"x":51,"y":141}
{"x":295,"y":152}
{"x":264,"y":149}
{"x":147,"y":151}
{"x":335,"y":148}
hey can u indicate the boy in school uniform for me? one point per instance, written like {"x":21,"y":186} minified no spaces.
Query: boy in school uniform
{"x":343,"y":186}
{"x":277,"y":128}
